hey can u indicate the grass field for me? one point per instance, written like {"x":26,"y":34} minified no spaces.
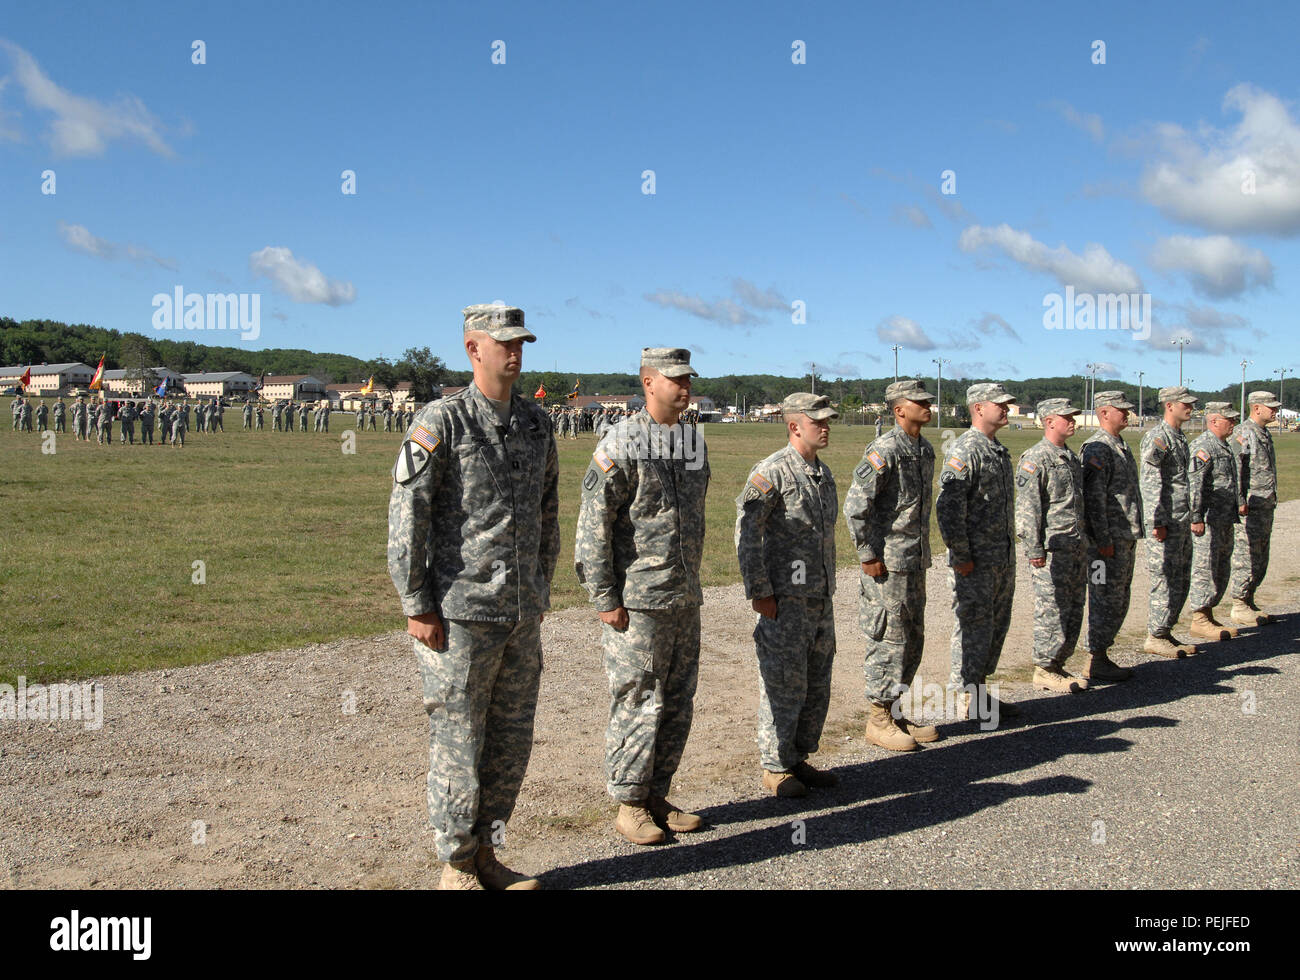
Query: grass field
{"x":100,"y":543}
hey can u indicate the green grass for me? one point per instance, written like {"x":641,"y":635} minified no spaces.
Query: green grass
{"x":99,"y":542}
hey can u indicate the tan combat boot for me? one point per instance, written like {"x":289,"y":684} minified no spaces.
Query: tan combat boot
{"x":1162,"y":647}
{"x":1054,"y":678}
{"x":921,"y":733}
{"x":1203,"y":627}
{"x":1225,"y":627}
{"x":1187,"y":647}
{"x":496,"y":876}
{"x":1261,"y":616}
{"x":963,"y":706}
{"x":1102,"y":668}
{"x":882,"y":731}
{"x":636,"y":824}
{"x":670,"y":818}
{"x":459,"y":876}
{"x":810,"y":776}
{"x":785,"y":784}
{"x":1243,"y":614}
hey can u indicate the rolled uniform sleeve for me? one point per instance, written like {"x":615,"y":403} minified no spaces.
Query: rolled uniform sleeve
{"x":753,"y":507}
{"x":410,"y":521}
{"x":1031,"y":500}
{"x":869,"y":481}
{"x":605,"y":493}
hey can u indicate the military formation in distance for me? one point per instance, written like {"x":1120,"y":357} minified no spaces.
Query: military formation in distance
{"x":474,"y":541}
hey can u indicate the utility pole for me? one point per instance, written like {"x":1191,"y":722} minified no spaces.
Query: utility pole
{"x":938,"y":395}
{"x":813,"y":375}
{"x":896,"y":348}
{"x":1087,"y":404}
{"x":1140,"y":374}
{"x":1244,"y":362}
{"x":1181,"y":342}
{"x":1282,"y":386}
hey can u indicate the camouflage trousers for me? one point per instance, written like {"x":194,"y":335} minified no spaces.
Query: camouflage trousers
{"x":1060,"y":587}
{"x":59,"y":424}
{"x":1211,"y":563}
{"x":891,"y":613}
{"x":128,"y":432}
{"x":105,"y":433}
{"x":652,"y":667}
{"x":795,"y":654}
{"x":981,"y":604}
{"x":1250,"y":552}
{"x":1169,"y":563}
{"x":480,"y":694}
{"x":146,"y":433}
{"x":1110,"y":586}
{"x":178,"y":434}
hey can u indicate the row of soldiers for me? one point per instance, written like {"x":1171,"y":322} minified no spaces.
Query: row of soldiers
{"x":474,"y":540}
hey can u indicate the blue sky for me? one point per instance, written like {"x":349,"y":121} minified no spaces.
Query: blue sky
{"x":1171,"y":170}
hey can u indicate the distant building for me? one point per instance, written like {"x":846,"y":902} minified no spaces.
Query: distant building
{"x":118,"y":381}
{"x":49,"y":379}
{"x":293,"y":387}
{"x":218,"y":384}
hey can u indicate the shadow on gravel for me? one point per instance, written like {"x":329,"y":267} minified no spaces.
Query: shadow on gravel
{"x":949,"y":779}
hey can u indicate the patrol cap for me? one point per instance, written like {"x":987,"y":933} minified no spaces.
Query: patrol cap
{"x":671,"y":362}
{"x":1055,"y":406}
{"x":1266,"y":398}
{"x":1221,"y":408}
{"x":1176,"y":393}
{"x":816,"y":407}
{"x":497,"y":321}
{"x":909,"y":388}
{"x":988,"y":392}
{"x":1111,"y":399}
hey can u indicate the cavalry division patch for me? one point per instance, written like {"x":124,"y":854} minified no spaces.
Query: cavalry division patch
{"x":411,"y":460}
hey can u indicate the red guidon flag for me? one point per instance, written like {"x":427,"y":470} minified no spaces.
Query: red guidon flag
{"x":96,"y":381}
{"x":26,"y":379}
{"x":540,"y":393}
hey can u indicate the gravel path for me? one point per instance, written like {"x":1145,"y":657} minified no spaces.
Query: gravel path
{"x":249,"y":773}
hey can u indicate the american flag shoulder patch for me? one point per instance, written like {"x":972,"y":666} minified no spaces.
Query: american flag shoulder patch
{"x":761,"y":482}
{"x":1096,"y":463}
{"x":603,"y":461}
{"x":1202,"y":455}
{"x":876,"y":460}
{"x":956,"y":463}
{"x":1029,"y":466}
{"x":1158,"y":443}
{"x":422,"y":436}
{"x":1242,"y":439}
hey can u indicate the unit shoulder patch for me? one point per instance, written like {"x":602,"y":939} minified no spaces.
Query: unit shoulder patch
{"x":412,"y":458}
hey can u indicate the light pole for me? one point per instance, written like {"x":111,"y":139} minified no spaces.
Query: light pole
{"x":1140,"y":375}
{"x":1088,"y":398}
{"x":1244,"y":362}
{"x":938,"y":395}
{"x":1181,"y":342}
{"x":896,"y":348}
{"x":813,"y":375}
{"x":1281,"y":372}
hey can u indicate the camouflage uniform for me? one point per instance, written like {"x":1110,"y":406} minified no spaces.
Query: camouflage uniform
{"x":1212,"y":501}
{"x":288,"y":417}
{"x":248,"y":415}
{"x":180,"y":422}
{"x":127,"y":418}
{"x":1112,"y":507}
{"x":16,"y":406}
{"x":1165,"y":458}
{"x":79,"y":419}
{"x":105,"y":424}
{"x":60,"y":417}
{"x":42,"y":417}
{"x":975,"y":513}
{"x":1050,"y":522}
{"x":474,"y":536}
{"x":277,"y":417}
{"x":146,"y":424}
{"x":302,"y":419}
{"x":640,"y":540}
{"x":1252,"y":444}
{"x":164,"y":423}
{"x":888,"y":513}
{"x":785,"y":541}
{"x":25,"y":417}
{"x":260,"y":413}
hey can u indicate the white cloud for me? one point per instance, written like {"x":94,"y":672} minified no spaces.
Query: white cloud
{"x":83,"y":126}
{"x":1089,"y":122}
{"x":1203,"y":178}
{"x":1217,"y":265}
{"x":904,"y":331}
{"x":1095,"y":271}
{"x":912,"y":215}
{"x":79,"y":239}
{"x":301,"y":281}
{"x":756,"y":299}
{"x":990,"y":323}
{"x":724,"y":311}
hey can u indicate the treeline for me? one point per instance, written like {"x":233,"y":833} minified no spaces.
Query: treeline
{"x":34,"y":341}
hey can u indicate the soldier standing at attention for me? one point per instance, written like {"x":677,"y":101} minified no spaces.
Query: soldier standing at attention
{"x":880,"y":426}
{"x":1112,"y":509}
{"x":164,"y":423}
{"x":1256,"y":501}
{"x":42,"y":417}
{"x":260,"y":412}
{"x":1212,"y":501}
{"x":277,"y":416}
{"x":146,"y":423}
{"x":60,"y":416}
{"x":473,"y":540}
{"x":248,"y":415}
{"x":361,"y":419}
{"x":16,"y":407}
{"x":127,"y":417}
{"x":388,"y":417}
{"x":288,"y":417}
{"x":180,"y":422}
{"x":25,"y":416}
{"x":79,"y":419}
{"x":888,"y":513}
{"x":105,"y":422}
{"x":785,"y":541}
{"x":1165,"y":459}
{"x":975,"y":510}
{"x":302,"y":419}
{"x":640,"y":541}
{"x":1050,"y":521}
